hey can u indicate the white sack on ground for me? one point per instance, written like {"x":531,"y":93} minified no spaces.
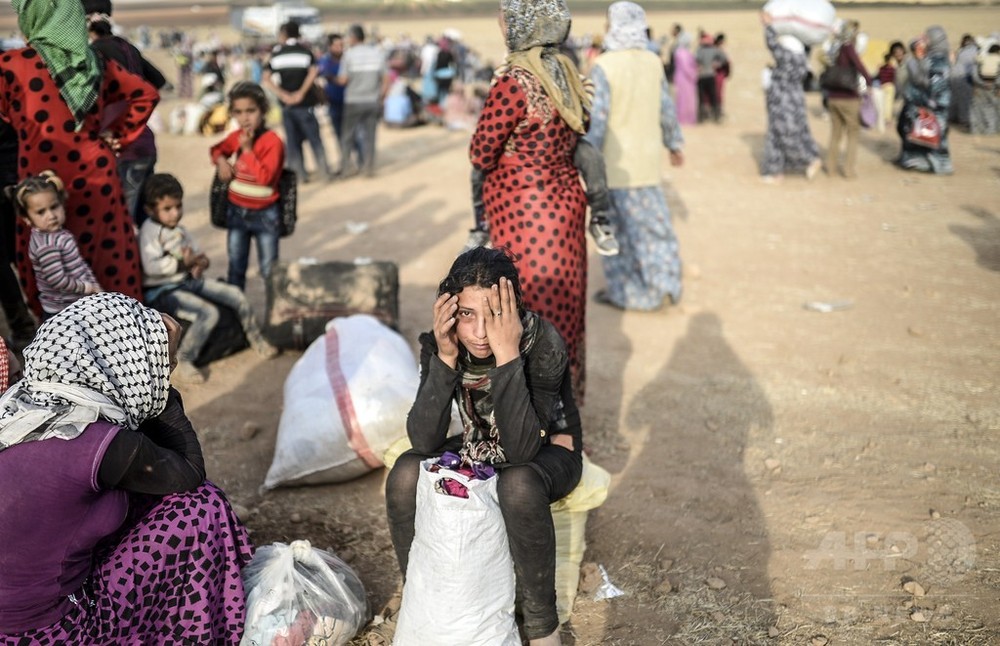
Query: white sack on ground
{"x":346,"y":401}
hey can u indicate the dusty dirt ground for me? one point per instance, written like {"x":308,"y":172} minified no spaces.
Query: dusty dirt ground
{"x":811,"y":463}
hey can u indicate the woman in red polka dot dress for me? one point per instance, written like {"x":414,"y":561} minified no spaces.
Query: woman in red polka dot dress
{"x":535,"y":204}
{"x":59,"y":128}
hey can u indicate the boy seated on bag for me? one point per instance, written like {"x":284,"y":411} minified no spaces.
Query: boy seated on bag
{"x":172,"y":281}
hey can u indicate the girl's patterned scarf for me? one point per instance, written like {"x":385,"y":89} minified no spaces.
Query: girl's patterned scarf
{"x":480,"y":437}
{"x":57,"y":30}
{"x":103,"y":357}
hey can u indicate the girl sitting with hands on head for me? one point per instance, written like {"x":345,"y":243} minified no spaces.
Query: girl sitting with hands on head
{"x":508,"y":371}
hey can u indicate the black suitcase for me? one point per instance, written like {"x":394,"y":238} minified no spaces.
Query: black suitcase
{"x":226,"y":338}
{"x":303,"y":296}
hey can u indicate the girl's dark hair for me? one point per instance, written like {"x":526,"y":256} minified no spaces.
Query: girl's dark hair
{"x":45,"y":182}
{"x":482,"y":267}
{"x":252,"y":91}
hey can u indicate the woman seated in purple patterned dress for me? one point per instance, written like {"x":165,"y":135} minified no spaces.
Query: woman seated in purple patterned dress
{"x":111,"y":534}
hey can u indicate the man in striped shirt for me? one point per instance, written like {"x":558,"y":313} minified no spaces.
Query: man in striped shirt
{"x":291,"y":75}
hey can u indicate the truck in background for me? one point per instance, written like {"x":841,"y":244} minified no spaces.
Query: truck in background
{"x":263,"y":22}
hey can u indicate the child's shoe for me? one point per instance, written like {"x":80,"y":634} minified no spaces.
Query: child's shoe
{"x":604,"y":236}
{"x":188,"y":373}
{"x":478,"y":237}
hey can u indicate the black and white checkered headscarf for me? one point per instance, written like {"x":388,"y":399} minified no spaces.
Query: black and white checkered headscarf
{"x":105,"y":356}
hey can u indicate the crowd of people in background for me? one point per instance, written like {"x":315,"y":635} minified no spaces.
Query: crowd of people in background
{"x":440,"y":80}
{"x":358,"y":80}
{"x":934,"y":86}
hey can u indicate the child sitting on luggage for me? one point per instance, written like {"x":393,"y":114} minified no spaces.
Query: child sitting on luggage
{"x":590,"y":163}
{"x":507,"y":369}
{"x":61,"y":273}
{"x":173,"y":282}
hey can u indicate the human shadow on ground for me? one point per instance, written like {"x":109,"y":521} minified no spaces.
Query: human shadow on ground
{"x":887,"y":149}
{"x":700,"y":517}
{"x":404,"y":153}
{"x":984,"y":239}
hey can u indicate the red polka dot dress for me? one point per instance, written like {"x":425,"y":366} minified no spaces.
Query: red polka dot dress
{"x":535,"y":203}
{"x":47,"y":140}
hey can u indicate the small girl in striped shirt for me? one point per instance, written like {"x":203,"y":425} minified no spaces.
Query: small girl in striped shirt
{"x":61,"y":274}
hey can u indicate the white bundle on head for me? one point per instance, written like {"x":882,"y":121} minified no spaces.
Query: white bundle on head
{"x":792,"y":44}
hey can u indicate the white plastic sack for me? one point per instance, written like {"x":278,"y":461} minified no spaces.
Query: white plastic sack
{"x":346,"y":401}
{"x":460,"y":579}
{"x":811,"y":21}
{"x":298,"y":596}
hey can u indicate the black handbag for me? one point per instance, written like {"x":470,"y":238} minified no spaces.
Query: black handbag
{"x":288,"y":202}
{"x":218,"y":202}
{"x":288,"y":199}
{"x":839,"y":78}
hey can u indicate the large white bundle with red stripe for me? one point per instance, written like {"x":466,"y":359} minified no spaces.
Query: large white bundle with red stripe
{"x":346,"y":402}
{"x":811,"y":21}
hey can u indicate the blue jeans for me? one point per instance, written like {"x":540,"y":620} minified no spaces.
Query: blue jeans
{"x":244,"y":224}
{"x":134,"y":173}
{"x":301,"y":125}
{"x":195,"y":300}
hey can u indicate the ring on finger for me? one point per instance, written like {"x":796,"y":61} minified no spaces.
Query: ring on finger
{"x":497,"y":313}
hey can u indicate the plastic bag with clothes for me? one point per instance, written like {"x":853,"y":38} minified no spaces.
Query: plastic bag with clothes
{"x":569,"y":517}
{"x":301,"y":596}
{"x":459,"y":588}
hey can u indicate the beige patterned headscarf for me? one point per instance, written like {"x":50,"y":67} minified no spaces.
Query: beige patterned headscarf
{"x":535,"y":30}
